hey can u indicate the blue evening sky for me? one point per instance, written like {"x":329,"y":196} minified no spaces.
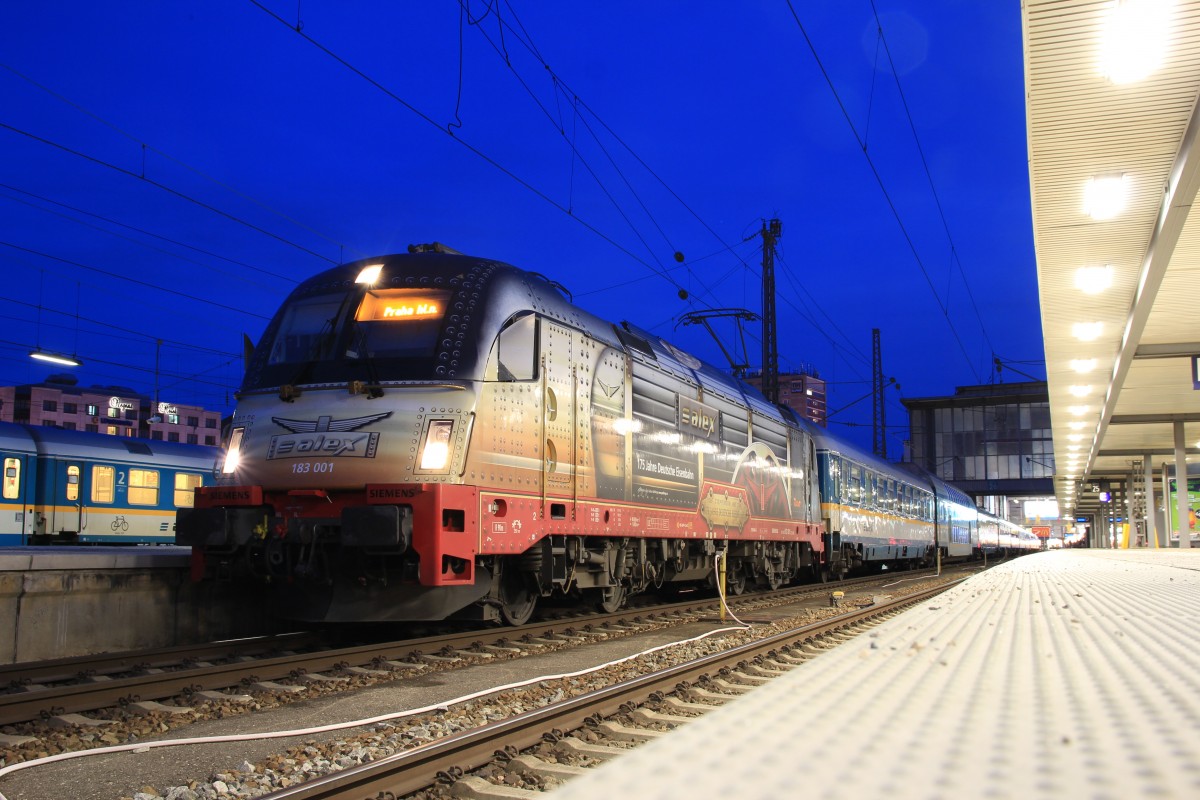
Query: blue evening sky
{"x":170,"y":170}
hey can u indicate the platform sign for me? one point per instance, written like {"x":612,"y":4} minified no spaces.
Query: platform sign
{"x":1041,"y":531}
{"x":1193,"y":504}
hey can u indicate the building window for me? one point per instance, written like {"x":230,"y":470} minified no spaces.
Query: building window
{"x":192,"y":438}
{"x":211,"y":441}
{"x":92,"y":428}
{"x":210,"y":423}
{"x":173,"y":419}
{"x":92,"y":411}
{"x":156,"y":434}
{"x":70,"y":408}
{"x":49,"y":405}
{"x":69,"y":426}
{"x":131,"y":415}
{"x":172,"y":437}
{"x":193,"y":422}
{"x":143,"y":487}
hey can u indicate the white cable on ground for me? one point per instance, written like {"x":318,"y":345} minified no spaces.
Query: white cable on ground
{"x":443,"y":706}
{"x":720,"y":591}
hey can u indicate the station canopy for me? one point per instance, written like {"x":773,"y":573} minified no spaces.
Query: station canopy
{"x":1114,"y":166}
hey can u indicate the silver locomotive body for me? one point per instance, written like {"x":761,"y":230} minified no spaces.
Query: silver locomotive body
{"x":432,"y":435}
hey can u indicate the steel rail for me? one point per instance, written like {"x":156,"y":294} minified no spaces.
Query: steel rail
{"x":413,"y":770}
{"x":21,"y":706}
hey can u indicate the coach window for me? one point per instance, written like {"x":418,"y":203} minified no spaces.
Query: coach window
{"x":185,"y":489}
{"x":143,"y":487}
{"x":517,"y":351}
{"x":12,"y":478}
{"x":103,"y":481}
{"x":72,"y":482}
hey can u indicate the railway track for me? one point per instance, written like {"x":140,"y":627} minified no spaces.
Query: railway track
{"x":48,"y":690}
{"x":305,"y":753}
{"x":485,"y":762}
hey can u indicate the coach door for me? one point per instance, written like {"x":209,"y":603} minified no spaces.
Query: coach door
{"x":560,"y":439}
{"x":19,"y":521}
{"x":64,"y":507}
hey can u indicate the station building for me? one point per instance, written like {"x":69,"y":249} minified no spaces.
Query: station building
{"x":58,"y":402}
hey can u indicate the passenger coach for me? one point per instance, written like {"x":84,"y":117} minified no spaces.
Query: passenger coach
{"x":64,"y":486}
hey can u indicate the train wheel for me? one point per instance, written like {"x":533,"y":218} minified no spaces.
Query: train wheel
{"x":775,"y":579}
{"x":517,"y":600}
{"x":735,"y":583}
{"x":612,"y":598}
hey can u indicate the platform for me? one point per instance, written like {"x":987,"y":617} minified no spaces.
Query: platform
{"x":23,"y":559}
{"x":66,"y":601}
{"x":1063,"y":674}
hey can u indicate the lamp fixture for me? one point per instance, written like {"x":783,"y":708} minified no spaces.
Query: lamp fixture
{"x":1134,"y":39}
{"x":1093,"y":280}
{"x":1083,"y":364}
{"x":1104,"y":196}
{"x":1087,"y":331}
{"x":1080,"y":391}
{"x":1078,"y":411}
{"x":55,"y":358}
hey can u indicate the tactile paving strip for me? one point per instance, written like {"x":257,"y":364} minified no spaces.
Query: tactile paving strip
{"x":1065,"y":674}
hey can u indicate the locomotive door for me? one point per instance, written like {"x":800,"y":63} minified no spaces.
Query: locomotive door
{"x":560,"y":439}
{"x":806,"y":501}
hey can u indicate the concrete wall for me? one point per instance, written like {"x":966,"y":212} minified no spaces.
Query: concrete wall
{"x":57,"y":612}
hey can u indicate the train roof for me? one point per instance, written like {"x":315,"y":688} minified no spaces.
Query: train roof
{"x":830,"y":443}
{"x":14,"y":437}
{"x":487,"y":293}
{"x":98,"y":446}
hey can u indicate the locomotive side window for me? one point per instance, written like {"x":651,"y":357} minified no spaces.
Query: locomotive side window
{"x":12,"y":478}
{"x":104,"y":480}
{"x":73,"y":482}
{"x":143,"y":487}
{"x":185,"y":489}
{"x":517,"y":350}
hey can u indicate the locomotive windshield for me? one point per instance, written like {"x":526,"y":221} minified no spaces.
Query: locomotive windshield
{"x":391,"y":333}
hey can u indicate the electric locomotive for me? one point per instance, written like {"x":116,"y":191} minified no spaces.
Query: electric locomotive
{"x":429,"y":435}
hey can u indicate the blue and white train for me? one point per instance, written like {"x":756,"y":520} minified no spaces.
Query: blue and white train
{"x":74,"y":487}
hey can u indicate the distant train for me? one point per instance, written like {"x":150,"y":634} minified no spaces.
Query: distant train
{"x":429,"y":435}
{"x":63,"y":486}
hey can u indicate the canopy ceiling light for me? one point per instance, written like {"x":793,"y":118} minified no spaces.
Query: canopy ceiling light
{"x":1135,"y":39}
{"x":1104,"y":196}
{"x":1093,"y":280}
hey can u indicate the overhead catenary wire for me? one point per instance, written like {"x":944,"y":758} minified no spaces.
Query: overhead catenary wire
{"x":163,"y":251}
{"x":460,"y":140}
{"x":145,"y":284}
{"x":168,"y":189}
{"x":929,"y":176}
{"x":179,"y":162}
{"x":883,"y":187}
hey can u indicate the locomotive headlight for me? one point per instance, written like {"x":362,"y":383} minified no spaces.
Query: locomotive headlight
{"x":233,"y":454}
{"x":435,"y":455}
